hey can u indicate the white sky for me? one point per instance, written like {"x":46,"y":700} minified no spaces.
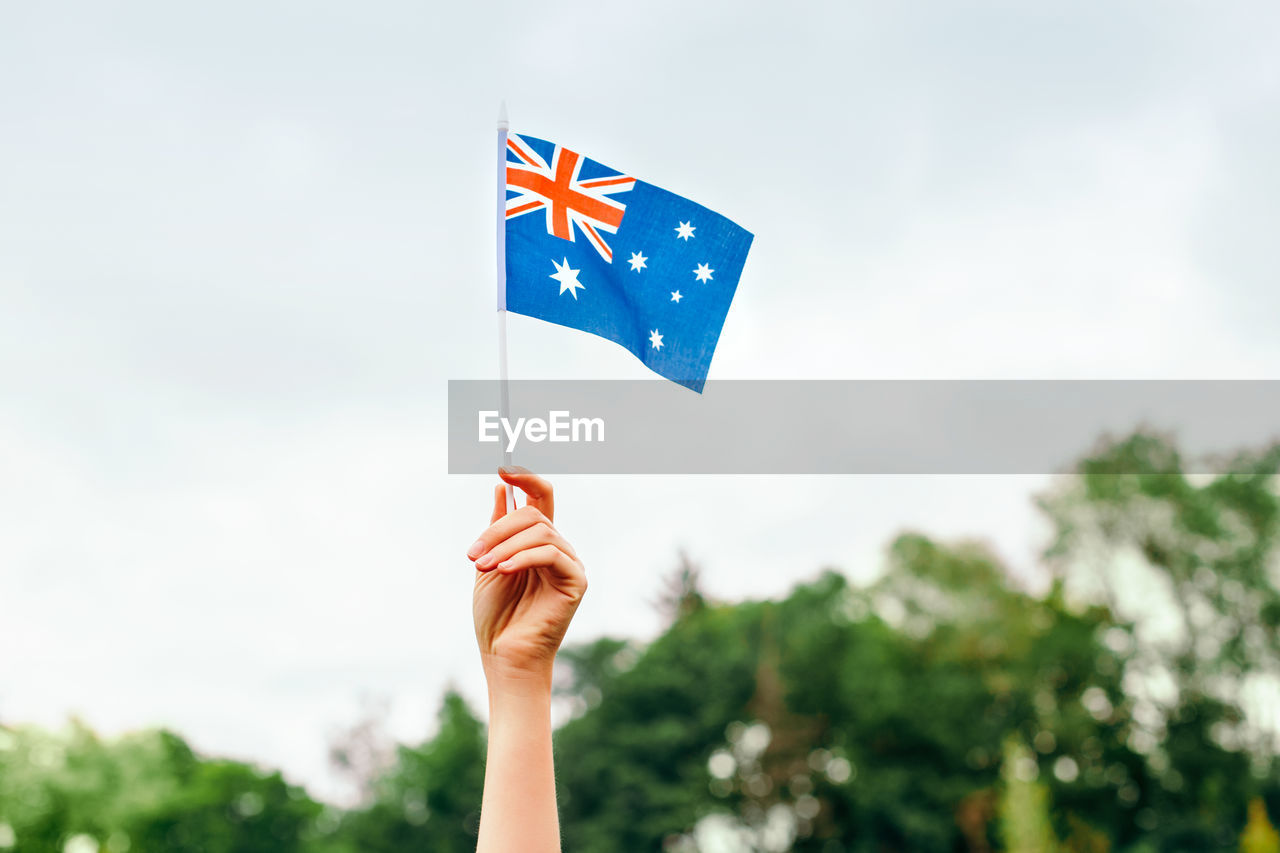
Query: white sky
{"x":244,"y":245}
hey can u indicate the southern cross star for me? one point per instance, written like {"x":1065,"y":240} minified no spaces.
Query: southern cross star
{"x":685,"y":231}
{"x":703,"y":272}
{"x":637,"y":261}
{"x":675,"y":296}
{"x":655,"y":339}
{"x":568,"y":278}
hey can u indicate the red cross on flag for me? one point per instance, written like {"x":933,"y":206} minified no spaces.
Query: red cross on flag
{"x":568,"y":200}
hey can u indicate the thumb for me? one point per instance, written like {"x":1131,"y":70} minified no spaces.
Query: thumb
{"x":499,"y":502}
{"x":538,"y":491}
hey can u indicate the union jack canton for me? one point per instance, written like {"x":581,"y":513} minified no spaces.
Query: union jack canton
{"x":652,"y":271}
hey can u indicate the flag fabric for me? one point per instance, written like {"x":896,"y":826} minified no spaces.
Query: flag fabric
{"x":594,"y":249}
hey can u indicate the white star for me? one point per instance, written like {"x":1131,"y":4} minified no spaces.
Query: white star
{"x":655,"y":339}
{"x":685,"y":231}
{"x":703,"y":272}
{"x":675,"y":296}
{"x":568,"y":278}
{"x":637,"y":261}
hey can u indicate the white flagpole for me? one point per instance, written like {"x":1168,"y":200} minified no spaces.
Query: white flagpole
{"x":504,"y":402}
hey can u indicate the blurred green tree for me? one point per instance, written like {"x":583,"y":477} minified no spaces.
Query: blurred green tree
{"x":145,"y":791}
{"x":430,"y":798}
{"x":1150,"y":534}
{"x":885,"y":711}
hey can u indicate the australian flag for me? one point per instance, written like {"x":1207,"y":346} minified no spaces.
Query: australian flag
{"x":593,"y":249}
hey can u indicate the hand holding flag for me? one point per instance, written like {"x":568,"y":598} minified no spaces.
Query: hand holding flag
{"x":529,"y":582}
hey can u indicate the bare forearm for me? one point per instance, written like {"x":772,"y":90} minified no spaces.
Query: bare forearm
{"x":519,"y":807}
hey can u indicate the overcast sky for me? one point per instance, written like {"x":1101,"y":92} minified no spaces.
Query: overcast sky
{"x":243,"y":246}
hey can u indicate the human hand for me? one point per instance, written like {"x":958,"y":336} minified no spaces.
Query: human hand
{"x":529,"y":582}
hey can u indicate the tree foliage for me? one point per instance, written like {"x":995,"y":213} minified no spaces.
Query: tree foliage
{"x":430,"y":798}
{"x":147,"y":791}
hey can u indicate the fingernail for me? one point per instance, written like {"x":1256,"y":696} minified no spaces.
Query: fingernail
{"x":475,"y":550}
{"x":484,"y":562}
{"x":513,"y":469}
{"x":503,"y":566}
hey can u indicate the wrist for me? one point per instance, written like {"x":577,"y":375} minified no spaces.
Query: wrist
{"x":507,"y":681}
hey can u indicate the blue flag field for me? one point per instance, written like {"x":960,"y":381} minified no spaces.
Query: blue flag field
{"x":591,"y":248}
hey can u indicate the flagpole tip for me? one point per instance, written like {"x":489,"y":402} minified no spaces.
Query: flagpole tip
{"x":502,"y":115}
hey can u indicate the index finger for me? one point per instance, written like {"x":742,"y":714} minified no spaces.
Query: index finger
{"x":539,"y":493}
